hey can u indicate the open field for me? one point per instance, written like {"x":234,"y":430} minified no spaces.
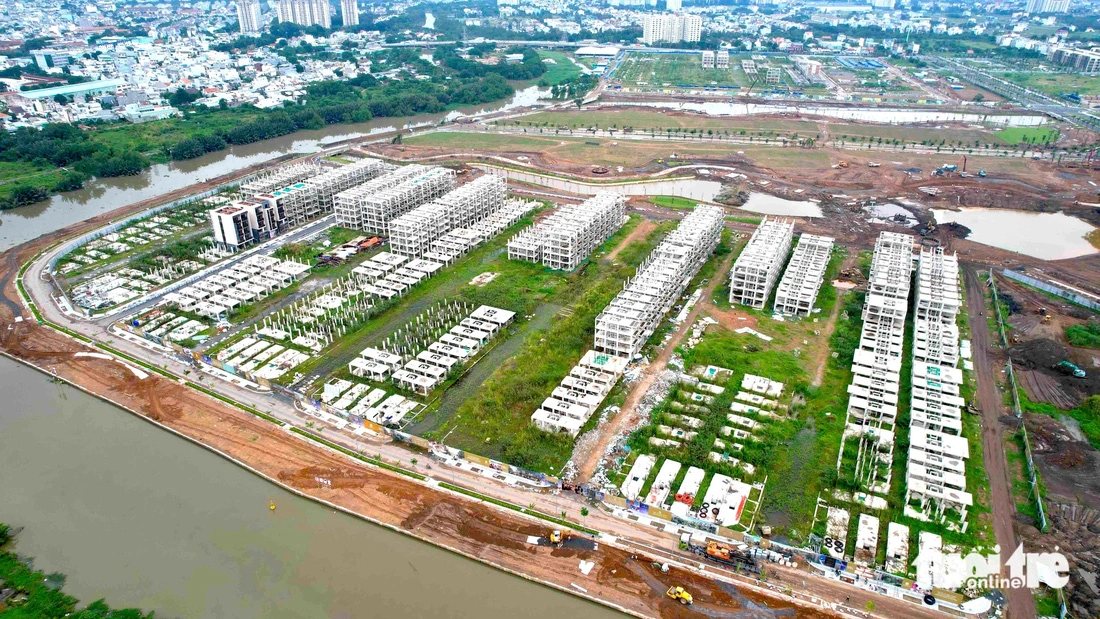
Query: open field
{"x":1056,"y":84}
{"x":495,"y":421}
{"x":561,"y":70}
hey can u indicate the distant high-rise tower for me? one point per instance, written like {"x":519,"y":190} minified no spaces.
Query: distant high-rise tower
{"x":349,"y":11}
{"x":674,"y":5}
{"x":248,"y":15}
{"x":304,"y":12}
{"x":671,"y":28}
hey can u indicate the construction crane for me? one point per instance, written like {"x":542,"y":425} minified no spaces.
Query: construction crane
{"x":680,"y":595}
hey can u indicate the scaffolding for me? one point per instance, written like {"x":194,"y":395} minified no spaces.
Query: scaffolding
{"x":757,"y":268}
{"x":563,"y":240}
{"x":414,"y":233}
{"x":268,"y":181}
{"x":625,"y":325}
{"x":373,"y":205}
{"x":802,"y":280}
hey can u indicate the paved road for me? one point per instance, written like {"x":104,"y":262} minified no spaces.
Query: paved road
{"x":1021,"y":604}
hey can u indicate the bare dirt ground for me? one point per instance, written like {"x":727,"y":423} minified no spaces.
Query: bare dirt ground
{"x":639,"y":233}
{"x":626,"y":416}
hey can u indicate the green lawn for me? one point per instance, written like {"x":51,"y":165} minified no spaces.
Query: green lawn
{"x":1055,"y":84}
{"x":561,"y":71}
{"x":1016,"y":135}
{"x":673,"y":202}
{"x":646,"y":119}
{"x":456,"y":139}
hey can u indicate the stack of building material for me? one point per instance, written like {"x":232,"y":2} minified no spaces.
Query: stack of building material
{"x":757,"y":268}
{"x":623,"y":327}
{"x":567,"y":237}
{"x":801,"y":281}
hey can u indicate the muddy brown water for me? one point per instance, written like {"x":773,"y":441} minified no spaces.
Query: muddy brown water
{"x":103,"y":195}
{"x":136,"y":515}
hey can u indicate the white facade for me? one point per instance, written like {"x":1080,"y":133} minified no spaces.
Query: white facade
{"x":304,"y":12}
{"x":349,"y":12}
{"x":245,"y":222}
{"x":248,"y":16}
{"x":671,"y":28}
{"x":722,"y":59}
{"x":757,"y":268}
{"x":573,"y":402}
{"x":708,"y":59}
{"x":802,"y":280}
{"x":563,"y":240}
{"x":876,"y":367}
{"x":623,"y":327}
{"x":935,"y":472}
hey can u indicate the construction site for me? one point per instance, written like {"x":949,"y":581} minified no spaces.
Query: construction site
{"x":788,"y":396}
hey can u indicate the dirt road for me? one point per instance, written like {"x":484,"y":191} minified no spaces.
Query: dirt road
{"x":626,"y":415}
{"x":1021,"y":604}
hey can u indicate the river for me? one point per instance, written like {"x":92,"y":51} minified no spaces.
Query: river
{"x":102,"y":195}
{"x":143,"y":518}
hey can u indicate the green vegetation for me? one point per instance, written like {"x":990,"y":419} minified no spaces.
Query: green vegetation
{"x":39,"y":596}
{"x":1028,"y":135}
{"x":673,"y":202}
{"x":656,"y":70}
{"x":1087,"y":414}
{"x":496,"y":420}
{"x":1055,"y":84}
{"x":562,"y":69}
{"x":1085,"y":336}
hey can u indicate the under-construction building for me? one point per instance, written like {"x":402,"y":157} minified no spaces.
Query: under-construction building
{"x":625,"y":325}
{"x":757,"y":268}
{"x":335,"y":180}
{"x":876,"y":365}
{"x":563,"y":240}
{"x":579,"y":394}
{"x":447,"y":248}
{"x":413,"y":233}
{"x":797,"y":291}
{"x":373,"y":205}
{"x":935,"y":471}
{"x":276,"y":178}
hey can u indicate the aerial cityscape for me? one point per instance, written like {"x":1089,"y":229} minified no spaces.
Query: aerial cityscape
{"x":666,"y":308}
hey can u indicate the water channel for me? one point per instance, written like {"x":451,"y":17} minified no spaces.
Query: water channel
{"x":134,"y":514}
{"x":1050,"y":236}
{"x":103,"y":195}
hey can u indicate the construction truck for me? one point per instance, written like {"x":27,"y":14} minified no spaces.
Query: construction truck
{"x":1069,"y":368}
{"x":723,"y":553}
{"x":842,"y":164}
{"x":872,"y":164}
{"x":680,"y":595}
{"x":981,"y":173}
{"x":556,"y":538}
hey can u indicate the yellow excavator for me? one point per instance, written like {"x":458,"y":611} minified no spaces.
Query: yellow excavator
{"x":680,"y":595}
{"x":556,"y":538}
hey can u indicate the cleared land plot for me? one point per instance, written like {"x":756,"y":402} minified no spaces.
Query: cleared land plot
{"x":917,"y":135}
{"x":680,"y":70}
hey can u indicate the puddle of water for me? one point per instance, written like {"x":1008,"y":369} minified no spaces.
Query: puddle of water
{"x":1049,"y":236}
{"x":886,"y":213}
{"x":770,"y":205}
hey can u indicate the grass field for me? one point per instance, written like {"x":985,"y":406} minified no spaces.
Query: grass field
{"x":1055,"y":84}
{"x":561,"y":70}
{"x":673,"y":70}
{"x":1016,"y":135}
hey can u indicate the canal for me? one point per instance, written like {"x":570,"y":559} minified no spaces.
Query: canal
{"x":143,"y":518}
